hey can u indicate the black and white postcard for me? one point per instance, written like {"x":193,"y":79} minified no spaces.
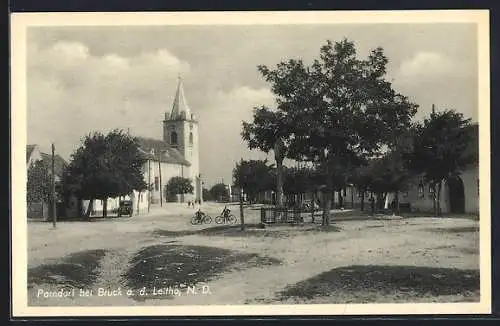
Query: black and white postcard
{"x":250,"y":163}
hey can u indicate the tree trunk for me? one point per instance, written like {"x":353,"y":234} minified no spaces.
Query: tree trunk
{"x":313,"y":202}
{"x":242,"y":217}
{"x":396,"y":202}
{"x":327,"y":204}
{"x":89,"y":209}
{"x":362,"y":201}
{"x":105,"y":207}
{"x":434,"y":197}
{"x":438,"y":196}
{"x":138,"y":201}
{"x":279,"y":182}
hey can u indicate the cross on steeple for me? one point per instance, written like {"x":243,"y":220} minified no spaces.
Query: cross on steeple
{"x":180,"y":107}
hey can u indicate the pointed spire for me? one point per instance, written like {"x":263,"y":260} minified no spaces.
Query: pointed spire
{"x":180,"y":107}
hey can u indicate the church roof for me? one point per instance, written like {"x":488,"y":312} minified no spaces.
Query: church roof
{"x":158,"y":150}
{"x":180,"y":107}
{"x":29,"y":151}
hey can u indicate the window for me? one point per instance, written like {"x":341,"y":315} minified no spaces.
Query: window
{"x":344,"y":192}
{"x":157,"y":183}
{"x":420,"y":190}
{"x":190,"y":138}
{"x":173,"y":138}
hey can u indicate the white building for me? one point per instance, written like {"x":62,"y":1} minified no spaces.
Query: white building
{"x":177,"y":154}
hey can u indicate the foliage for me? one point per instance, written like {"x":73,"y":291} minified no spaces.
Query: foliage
{"x":207,"y":195}
{"x":299,"y":180}
{"x":440,"y":148}
{"x":339,"y":109}
{"x":179,"y":185}
{"x":38,"y":184}
{"x":219,"y":191}
{"x":106,"y":166}
{"x":254,"y":176}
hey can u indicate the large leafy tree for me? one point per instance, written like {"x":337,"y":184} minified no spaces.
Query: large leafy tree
{"x":106,"y":166}
{"x":219,"y":191}
{"x":178,"y":185}
{"x":440,"y":149}
{"x":253,"y":176}
{"x":332,"y":113}
{"x":38,"y":183}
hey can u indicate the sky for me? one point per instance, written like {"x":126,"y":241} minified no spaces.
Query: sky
{"x":85,"y":78}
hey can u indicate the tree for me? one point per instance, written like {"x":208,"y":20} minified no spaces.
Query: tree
{"x":440,"y":149}
{"x":207,"y":195}
{"x":178,"y":185}
{"x":329,"y":113}
{"x":253,"y":176}
{"x":219,"y":191}
{"x":105,"y":166}
{"x":38,"y":183}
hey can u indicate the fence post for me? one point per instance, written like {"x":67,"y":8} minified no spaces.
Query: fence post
{"x":263,"y":215}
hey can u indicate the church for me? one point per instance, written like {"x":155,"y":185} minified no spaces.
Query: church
{"x":176,"y":155}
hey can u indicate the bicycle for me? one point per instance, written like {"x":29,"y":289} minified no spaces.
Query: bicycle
{"x":225,"y":217}
{"x":201,"y":218}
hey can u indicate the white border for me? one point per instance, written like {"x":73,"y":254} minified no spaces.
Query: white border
{"x":19,"y":24}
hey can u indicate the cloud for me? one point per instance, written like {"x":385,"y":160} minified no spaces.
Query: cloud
{"x":429,"y":64}
{"x":435,"y":78}
{"x":72,"y":92}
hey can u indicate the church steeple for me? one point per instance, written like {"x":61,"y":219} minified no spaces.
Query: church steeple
{"x":180,"y":109}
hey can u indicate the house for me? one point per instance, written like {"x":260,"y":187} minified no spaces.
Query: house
{"x":459,"y":194}
{"x":42,"y":209}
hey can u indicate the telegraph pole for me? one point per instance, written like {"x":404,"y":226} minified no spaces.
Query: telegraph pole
{"x":149,"y":184}
{"x":159,"y":171}
{"x":242,"y":217}
{"x":53,"y":189}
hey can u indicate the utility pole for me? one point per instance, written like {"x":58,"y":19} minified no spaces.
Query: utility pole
{"x":53,"y":189}
{"x":242,"y":217}
{"x":159,"y":171}
{"x":149,"y":184}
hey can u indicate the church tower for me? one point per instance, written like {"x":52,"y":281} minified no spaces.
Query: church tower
{"x":180,"y":131}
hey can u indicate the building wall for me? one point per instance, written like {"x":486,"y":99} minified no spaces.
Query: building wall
{"x":190,"y":150}
{"x":168,"y":171}
{"x":470,"y":179}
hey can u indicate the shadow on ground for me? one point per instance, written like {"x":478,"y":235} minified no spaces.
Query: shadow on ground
{"x":464,"y":229}
{"x":179,"y":267}
{"x":369,"y":284}
{"x":251,"y":230}
{"x":78,"y":270}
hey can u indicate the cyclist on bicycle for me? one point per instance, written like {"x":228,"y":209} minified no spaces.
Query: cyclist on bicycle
{"x":225,"y":212}
{"x":199,"y":214}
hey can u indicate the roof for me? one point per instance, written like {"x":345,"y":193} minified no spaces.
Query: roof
{"x":168,"y":154}
{"x":180,"y":108}
{"x":29,"y":151}
{"x":59,"y":163}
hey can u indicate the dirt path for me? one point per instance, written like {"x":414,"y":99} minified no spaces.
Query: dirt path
{"x":414,"y":242}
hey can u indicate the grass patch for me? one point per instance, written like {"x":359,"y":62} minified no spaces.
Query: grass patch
{"x":177,"y":267}
{"x":78,"y":270}
{"x":463,"y":229}
{"x":369,"y":284}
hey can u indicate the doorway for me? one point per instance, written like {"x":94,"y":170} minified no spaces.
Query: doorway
{"x":456,"y":195}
